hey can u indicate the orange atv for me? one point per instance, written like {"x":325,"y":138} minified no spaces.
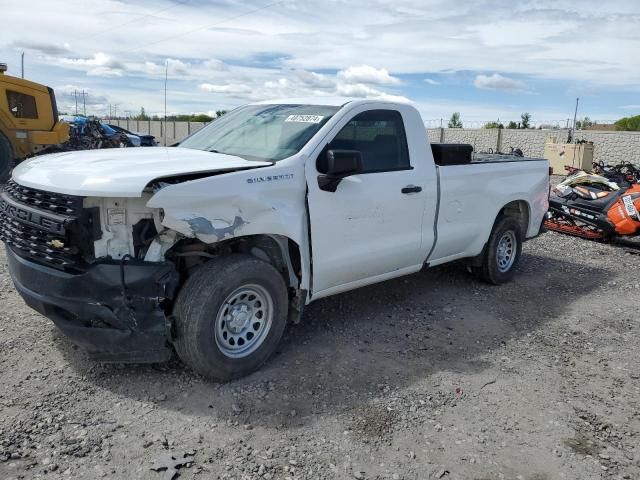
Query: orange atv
{"x":593,"y":207}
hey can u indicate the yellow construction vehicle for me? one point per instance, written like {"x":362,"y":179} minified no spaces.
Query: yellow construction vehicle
{"x":28,"y":121}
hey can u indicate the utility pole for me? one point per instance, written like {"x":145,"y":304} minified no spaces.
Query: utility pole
{"x":22,"y":62}
{"x":75,"y":95}
{"x":84,"y":102}
{"x":166,"y":74}
{"x":575,"y":114}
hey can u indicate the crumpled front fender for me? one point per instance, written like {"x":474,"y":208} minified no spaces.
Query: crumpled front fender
{"x":263,"y":201}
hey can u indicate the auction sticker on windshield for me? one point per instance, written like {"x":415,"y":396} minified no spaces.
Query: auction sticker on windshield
{"x":304,"y":118}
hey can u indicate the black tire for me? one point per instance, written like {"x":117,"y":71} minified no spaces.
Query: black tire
{"x":491,"y":271}
{"x":6,"y":160}
{"x":202,"y":299}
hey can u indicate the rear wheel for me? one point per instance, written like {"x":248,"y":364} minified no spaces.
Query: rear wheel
{"x":230,"y":316}
{"x":502,"y":252}
{"x":6,"y":160}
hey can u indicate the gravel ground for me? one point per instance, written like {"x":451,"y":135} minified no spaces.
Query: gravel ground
{"x":434,"y":375}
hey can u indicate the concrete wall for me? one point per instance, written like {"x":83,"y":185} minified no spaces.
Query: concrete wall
{"x":531,"y":142}
{"x":613,"y":147}
{"x":609,"y":147}
{"x":176,"y":131}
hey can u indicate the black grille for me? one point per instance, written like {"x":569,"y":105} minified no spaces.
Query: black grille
{"x":49,"y":201}
{"x":37,"y":244}
{"x":42,"y":226}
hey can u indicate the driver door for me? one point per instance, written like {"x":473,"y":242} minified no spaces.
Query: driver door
{"x":372,"y":224}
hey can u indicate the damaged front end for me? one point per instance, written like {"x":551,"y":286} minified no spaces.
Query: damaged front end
{"x":80,"y":262}
{"x":106,"y":269}
{"x":112,"y":309}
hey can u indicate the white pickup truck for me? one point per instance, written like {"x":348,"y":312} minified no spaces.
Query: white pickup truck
{"x":212,"y":246}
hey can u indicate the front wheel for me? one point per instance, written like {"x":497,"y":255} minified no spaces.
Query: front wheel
{"x":230,"y":316}
{"x":502,"y":252}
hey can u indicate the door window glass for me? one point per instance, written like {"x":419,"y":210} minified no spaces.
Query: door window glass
{"x":379,"y":136}
{"x":22,"y":105}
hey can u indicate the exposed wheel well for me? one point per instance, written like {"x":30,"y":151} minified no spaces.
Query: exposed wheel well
{"x":281,"y":252}
{"x":518,"y":209}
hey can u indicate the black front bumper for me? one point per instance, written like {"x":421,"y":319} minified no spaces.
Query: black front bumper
{"x":114,"y":321}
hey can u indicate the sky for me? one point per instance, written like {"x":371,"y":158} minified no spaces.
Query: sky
{"x":487,"y":59}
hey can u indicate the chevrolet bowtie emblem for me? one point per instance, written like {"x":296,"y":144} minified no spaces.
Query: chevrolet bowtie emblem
{"x":56,"y":243}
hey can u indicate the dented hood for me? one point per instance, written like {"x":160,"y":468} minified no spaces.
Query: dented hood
{"x":120,"y":172}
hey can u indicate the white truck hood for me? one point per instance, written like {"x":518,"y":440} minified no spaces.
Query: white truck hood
{"x":119,"y":172}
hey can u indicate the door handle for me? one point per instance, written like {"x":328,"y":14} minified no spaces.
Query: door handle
{"x":411,"y":189}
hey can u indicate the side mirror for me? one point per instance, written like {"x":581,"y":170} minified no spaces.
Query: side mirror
{"x":340,"y":164}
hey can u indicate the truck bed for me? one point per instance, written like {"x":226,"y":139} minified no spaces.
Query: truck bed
{"x":471,"y":195}
{"x":450,"y":154}
{"x":501,"y":157}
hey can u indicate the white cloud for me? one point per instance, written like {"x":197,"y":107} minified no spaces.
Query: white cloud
{"x":630,"y":107}
{"x":177,"y":67}
{"x":588,"y":44}
{"x":431,"y":81}
{"x":499,"y":82}
{"x":229,"y":88}
{"x":105,"y":72}
{"x":367,"y":74}
{"x":100,"y":65}
{"x":281,"y":83}
{"x":294,"y":83}
{"x":364,"y":91}
{"x":356,"y":90}
{"x":215,"y":64}
{"x":43,"y":47}
{"x":313,"y":79}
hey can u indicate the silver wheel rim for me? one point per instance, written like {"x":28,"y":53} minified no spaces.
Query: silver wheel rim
{"x":506,"y":254}
{"x":244,"y":321}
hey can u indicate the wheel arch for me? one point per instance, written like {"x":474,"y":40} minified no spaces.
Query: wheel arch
{"x":517,"y":209}
{"x":520,"y":210}
{"x":280,"y":251}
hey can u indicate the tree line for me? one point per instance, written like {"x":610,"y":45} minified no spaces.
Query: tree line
{"x":629,"y":124}
{"x":190,"y":117}
{"x":624,"y":124}
{"x":456,"y":122}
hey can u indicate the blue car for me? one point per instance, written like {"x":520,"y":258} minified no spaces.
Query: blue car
{"x":78,"y":122}
{"x":145,"y":139}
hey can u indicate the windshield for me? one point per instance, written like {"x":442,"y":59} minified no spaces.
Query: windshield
{"x":262,"y":132}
